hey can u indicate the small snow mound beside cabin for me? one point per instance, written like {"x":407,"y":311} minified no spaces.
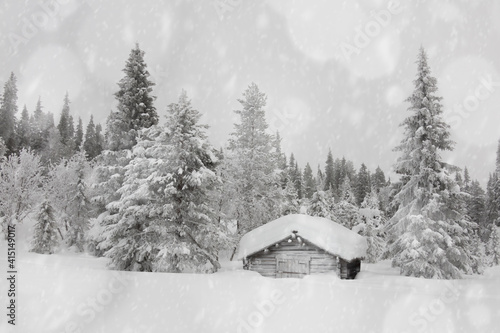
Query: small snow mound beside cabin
{"x":324,"y":233}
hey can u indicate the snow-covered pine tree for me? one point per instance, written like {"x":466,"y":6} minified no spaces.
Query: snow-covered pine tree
{"x":320,"y":179}
{"x":280,"y":160}
{"x":298,"y":181}
{"x":475,"y":204}
{"x":135,"y":103}
{"x":256,"y":189}
{"x":329,"y":182}
{"x":376,"y":244}
{"x":496,"y":188}
{"x":91,"y":143}
{"x":309,"y":183}
{"x":291,"y":171}
{"x":23,"y":130}
{"x":363,"y":184}
{"x":135,"y":112}
{"x":494,"y":246}
{"x":321,"y":205}
{"x":430,"y":232}
{"x":291,"y":204}
{"x":45,"y":238}
{"x":37,"y":121}
{"x":477,"y":253}
{"x":188,"y":218}
{"x":165,"y":220}
{"x":371,"y":226}
{"x":8,"y":110}
{"x":3,"y":150}
{"x":64,"y":123}
{"x":79,"y":134}
{"x":345,"y":210}
{"x":492,"y":197}
{"x":466,"y":178}
{"x":378,"y":179}
{"x":80,"y":203}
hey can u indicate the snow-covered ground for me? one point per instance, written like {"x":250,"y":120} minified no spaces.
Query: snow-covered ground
{"x":76,"y":293}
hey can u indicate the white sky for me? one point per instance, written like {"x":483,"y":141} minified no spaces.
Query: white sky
{"x":293,"y":50}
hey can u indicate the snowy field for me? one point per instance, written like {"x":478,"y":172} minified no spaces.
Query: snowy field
{"x":69,"y":292}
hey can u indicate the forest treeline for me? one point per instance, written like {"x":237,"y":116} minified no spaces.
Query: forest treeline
{"x":157,"y":196}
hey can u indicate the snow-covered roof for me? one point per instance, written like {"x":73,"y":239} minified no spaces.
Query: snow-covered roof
{"x":324,"y":233}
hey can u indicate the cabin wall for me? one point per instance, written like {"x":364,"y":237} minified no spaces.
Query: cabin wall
{"x":264,"y":262}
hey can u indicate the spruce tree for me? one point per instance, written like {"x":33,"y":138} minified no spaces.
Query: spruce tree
{"x":322,"y":205}
{"x":298,"y":181}
{"x":491,"y":213}
{"x":378,"y":179}
{"x":64,"y":122}
{"x":90,"y":143}
{"x":320,"y":179}
{"x":165,"y":222}
{"x":23,"y":130}
{"x":3,"y":150}
{"x":345,"y":210}
{"x":256,"y":188}
{"x":8,"y":110}
{"x":329,"y":182}
{"x":466,"y":178}
{"x":280,"y":160}
{"x":363,"y":185}
{"x":79,"y":134}
{"x":291,"y":203}
{"x":135,"y":103}
{"x":45,"y":230}
{"x":429,"y":232}
{"x":309,"y":183}
{"x":476,"y":206}
{"x":37,"y":121}
{"x":493,"y":246}
{"x":79,"y":202}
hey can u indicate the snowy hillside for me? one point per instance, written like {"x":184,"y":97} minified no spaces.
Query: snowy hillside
{"x":76,"y":293}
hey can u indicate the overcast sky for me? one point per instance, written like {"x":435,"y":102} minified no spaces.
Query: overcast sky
{"x":336,"y":73}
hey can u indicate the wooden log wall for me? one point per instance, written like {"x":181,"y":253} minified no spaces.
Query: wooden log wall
{"x":264,"y":262}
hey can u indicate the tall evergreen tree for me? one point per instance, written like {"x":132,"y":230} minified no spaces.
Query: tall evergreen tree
{"x":309,"y":184}
{"x":363,"y":184}
{"x":329,"y":173}
{"x":90,"y":143}
{"x":64,"y":122}
{"x":38,"y":138}
{"x":256,"y":185}
{"x":280,"y":160}
{"x":466,"y":178}
{"x":345,"y":210}
{"x":8,"y":110}
{"x":23,"y":130}
{"x":298,"y":180}
{"x":291,"y":203}
{"x":45,"y":237}
{"x":378,"y":179}
{"x":135,"y":103}
{"x":429,"y":231}
{"x":322,"y":205}
{"x":320,"y":179}
{"x":79,"y":134}
{"x":3,"y":150}
{"x":165,"y":222}
{"x":476,"y":207}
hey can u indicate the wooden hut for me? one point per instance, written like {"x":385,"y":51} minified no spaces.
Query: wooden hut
{"x":297,"y":245}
